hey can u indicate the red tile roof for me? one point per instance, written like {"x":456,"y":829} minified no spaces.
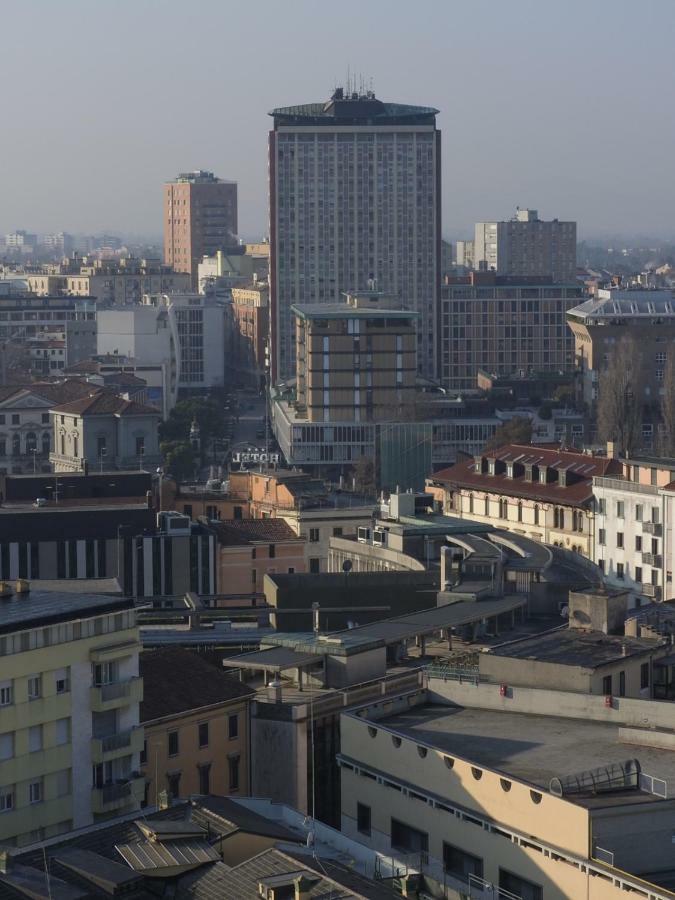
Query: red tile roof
{"x":248,"y":531}
{"x":104,"y":403}
{"x":580,"y":468}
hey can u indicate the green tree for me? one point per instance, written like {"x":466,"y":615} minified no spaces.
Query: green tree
{"x":179,"y":459}
{"x":515,"y":431}
{"x":208,"y":413}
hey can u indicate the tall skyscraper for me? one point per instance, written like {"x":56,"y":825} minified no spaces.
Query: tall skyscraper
{"x":200,"y":217}
{"x":526,"y":245}
{"x":354,"y":205}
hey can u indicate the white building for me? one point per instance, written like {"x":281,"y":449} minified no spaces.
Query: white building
{"x":354,"y":200}
{"x":527,"y":246}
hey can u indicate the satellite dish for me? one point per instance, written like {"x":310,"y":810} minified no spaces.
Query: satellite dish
{"x":347,"y":565}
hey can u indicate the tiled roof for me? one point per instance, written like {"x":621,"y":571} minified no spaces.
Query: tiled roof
{"x":580,"y":469}
{"x":246,"y":531}
{"x":176,"y":680}
{"x":104,"y":403}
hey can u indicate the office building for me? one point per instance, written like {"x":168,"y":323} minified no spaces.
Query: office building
{"x":504,"y":326}
{"x":200,"y":217}
{"x":544,"y":494}
{"x":527,"y":246}
{"x":196,"y":723}
{"x":354,"y":203}
{"x":20,"y":242}
{"x":70,"y":738}
{"x":512,"y":793}
{"x":24,"y":315}
{"x":599,"y":327}
{"x":356,"y":361}
{"x":464,"y":254}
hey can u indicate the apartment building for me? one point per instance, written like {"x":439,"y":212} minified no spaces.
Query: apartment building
{"x":355,"y":189}
{"x":250,"y":315}
{"x":527,"y":245}
{"x":196,"y":723}
{"x":200,"y":217}
{"x":70,"y":738}
{"x":356,"y":361}
{"x":602,"y":325}
{"x":523,"y":793}
{"x":504,"y":325}
{"x":115,"y":370}
{"x":24,"y":315}
{"x":541,"y":492}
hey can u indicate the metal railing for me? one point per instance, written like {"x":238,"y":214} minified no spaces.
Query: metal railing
{"x":602,"y":855}
{"x":480,"y":889}
{"x":112,"y":792}
{"x":116,"y":741}
{"x":652,"y":785}
{"x":621,"y":484}
{"x":115,"y":691}
{"x":470,"y":674}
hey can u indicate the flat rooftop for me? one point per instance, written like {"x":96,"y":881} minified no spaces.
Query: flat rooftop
{"x":570,"y":647}
{"x":40,"y":608}
{"x":533,"y":748}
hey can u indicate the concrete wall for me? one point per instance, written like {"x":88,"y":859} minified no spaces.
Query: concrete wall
{"x":279,"y":764}
{"x":342,"y":671}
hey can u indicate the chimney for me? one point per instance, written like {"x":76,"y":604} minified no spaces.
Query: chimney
{"x":303,"y":887}
{"x":612,"y":450}
{"x":163,"y":800}
{"x":274,"y":690}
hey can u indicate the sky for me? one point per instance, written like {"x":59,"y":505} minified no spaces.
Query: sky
{"x":563,"y":107}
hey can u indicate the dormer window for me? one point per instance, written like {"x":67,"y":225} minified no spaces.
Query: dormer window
{"x":542,"y":475}
{"x":491,"y":466}
{"x":509,"y":470}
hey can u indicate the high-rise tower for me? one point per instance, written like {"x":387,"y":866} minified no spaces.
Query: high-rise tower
{"x":354,"y":206}
{"x":200,"y":217}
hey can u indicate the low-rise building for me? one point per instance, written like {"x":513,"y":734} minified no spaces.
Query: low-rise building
{"x":541,"y":492}
{"x":196,"y":721}
{"x":104,"y":429}
{"x":490,"y":791}
{"x":70,"y":738}
{"x":249,"y":549}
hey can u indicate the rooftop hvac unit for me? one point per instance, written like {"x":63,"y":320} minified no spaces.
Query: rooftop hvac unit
{"x":612,"y":777}
{"x":380,"y":537}
{"x":363,"y":534}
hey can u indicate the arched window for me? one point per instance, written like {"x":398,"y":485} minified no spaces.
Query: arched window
{"x":31,"y":441}
{"x":63,"y":445}
{"x":46,"y":443}
{"x":520,"y":511}
{"x":536,"y":515}
{"x":487,"y":505}
{"x":470,"y":503}
{"x":503,"y":508}
{"x":16,"y":445}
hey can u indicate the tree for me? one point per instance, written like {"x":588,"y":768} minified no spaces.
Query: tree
{"x":620,"y":393}
{"x":668,"y":407}
{"x":517,"y":430}
{"x":208,"y":412}
{"x":364,"y":475}
{"x":179,"y":459}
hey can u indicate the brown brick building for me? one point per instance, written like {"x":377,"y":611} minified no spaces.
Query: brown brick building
{"x":200,"y":217}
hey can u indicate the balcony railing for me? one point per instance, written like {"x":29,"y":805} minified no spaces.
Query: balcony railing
{"x":652,"y":590}
{"x":654,"y":528}
{"x":651,"y":559}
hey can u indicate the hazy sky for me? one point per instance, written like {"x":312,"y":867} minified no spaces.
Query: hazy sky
{"x":562,"y":106}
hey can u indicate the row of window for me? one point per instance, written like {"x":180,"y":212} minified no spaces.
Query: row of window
{"x":173,"y":739}
{"x":173,"y":779}
{"x":61,"y":682}
{"x":640,"y":544}
{"x":619,"y":509}
{"x":561,"y":517}
{"x":37,"y":638}
{"x":36,"y":739}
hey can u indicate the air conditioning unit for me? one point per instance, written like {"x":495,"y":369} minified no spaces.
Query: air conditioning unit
{"x":380,"y":537}
{"x":363,"y":534}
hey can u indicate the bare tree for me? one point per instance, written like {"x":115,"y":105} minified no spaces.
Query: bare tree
{"x":667,"y":443}
{"x":621,"y":397}
{"x":517,"y":430}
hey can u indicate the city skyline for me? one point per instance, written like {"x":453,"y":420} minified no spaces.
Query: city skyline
{"x":550,"y":108}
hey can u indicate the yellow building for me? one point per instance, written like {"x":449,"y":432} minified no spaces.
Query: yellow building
{"x":196,"y":721}
{"x":69,"y":707}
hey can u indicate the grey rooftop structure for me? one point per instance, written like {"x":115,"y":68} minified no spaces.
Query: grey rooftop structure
{"x":33,"y":609}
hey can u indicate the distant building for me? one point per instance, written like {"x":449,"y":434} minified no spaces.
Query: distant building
{"x":250,"y":315}
{"x":200,"y":217}
{"x":527,"y":246}
{"x":58,"y":244}
{"x":542,"y":493}
{"x":70,"y":738}
{"x":196,"y":727}
{"x":221,"y":273}
{"x":464,"y":254}
{"x":104,"y":429}
{"x":20,"y":242}
{"x":504,"y":326}
{"x":145,"y":382}
{"x":355,"y":191}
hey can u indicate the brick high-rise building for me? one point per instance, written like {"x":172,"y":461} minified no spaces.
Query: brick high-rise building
{"x":200,"y":217}
{"x":354,"y":205}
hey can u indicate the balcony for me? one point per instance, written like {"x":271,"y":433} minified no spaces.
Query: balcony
{"x":652,"y":590}
{"x":113,"y":696}
{"x":654,"y":528}
{"x":651,"y":559}
{"x":122,"y":743}
{"x":111,"y":797}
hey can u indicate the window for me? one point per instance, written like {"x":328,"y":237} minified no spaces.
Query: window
{"x":7,"y":745}
{"x":503,"y":508}
{"x":233,"y":726}
{"x":45,"y":418}
{"x":638,"y":542}
{"x":173,"y":743}
{"x":272,"y":552}
{"x":622,"y":684}
{"x":63,"y":783}
{"x":362,"y":818}
{"x":655,"y":514}
{"x":173,"y":783}
{"x":638,"y":573}
{"x":638,"y":512}
{"x":233,"y":764}
{"x":6,"y":799}
{"x":337,"y":532}
{"x":619,"y":509}
{"x":619,"y":539}
{"x":62,"y":681}
{"x":536,"y":515}
{"x":35,"y":738}
{"x":460,"y":863}
{"x":140,"y":446}
{"x":314,"y":535}
{"x":34,"y":687}
{"x":602,"y":506}
{"x":291,"y":570}
{"x":203,"y":730}
{"x":410,"y":840}
{"x":205,"y":778}
{"x":6,"y":693}
{"x":619,"y":571}
{"x":602,"y":536}
{"x":522,"y":888}
{"x":520,"y":512}
{"x":62,"y":731}
{"x":101,"y":446}
{"x":601,"y":565}
{"x":644,"y":676}
{"x":16,"y":420}
{"x":35,"y":791}
{"x":607,"y":685}
{"x":653,"y":473}
{"x":104,"y":673}
{"x":314,"y":565}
